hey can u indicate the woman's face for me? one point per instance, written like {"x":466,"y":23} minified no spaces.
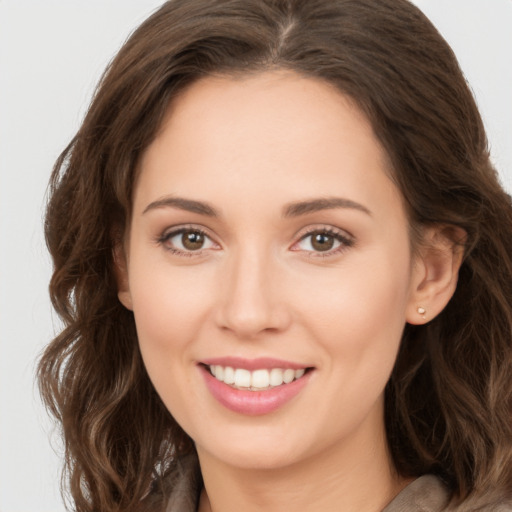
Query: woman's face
{"x":269,"y":246}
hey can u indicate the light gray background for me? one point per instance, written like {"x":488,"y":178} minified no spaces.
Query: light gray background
{"x":52,"y":53}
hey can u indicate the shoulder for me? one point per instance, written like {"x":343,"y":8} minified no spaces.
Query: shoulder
{"x":429,"y":494}
{"x":179,"y":489}
{"x":488,"y":507}
{"x":426,"y":494}
{"x":503,"y":507}
{"x":184,"y":484}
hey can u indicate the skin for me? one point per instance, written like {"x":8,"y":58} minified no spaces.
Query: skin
{"x":258,"y":287}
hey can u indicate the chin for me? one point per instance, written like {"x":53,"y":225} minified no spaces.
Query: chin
{"x":252,"y":452}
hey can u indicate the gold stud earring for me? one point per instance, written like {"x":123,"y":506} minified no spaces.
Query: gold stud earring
{"x":421,"y":311}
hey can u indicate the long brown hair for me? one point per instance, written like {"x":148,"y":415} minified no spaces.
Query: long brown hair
{"x":449,"y":400}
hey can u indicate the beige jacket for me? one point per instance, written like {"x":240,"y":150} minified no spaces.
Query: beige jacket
{"x":425,"y":494}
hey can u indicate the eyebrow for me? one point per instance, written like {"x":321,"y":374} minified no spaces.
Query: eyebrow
{"x":181,"y":203}
{"x":290,"y":210}
{"x":316,"y":205}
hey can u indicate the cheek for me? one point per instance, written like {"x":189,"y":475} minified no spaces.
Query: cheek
{"x":357,"y":323}
{"x":358,"y":313}
{"x":170,"y":305}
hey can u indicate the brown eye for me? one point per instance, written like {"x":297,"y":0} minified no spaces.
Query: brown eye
{"x":187,"y":241}
{"x":192,"y":240}
{"x":322,"y":241}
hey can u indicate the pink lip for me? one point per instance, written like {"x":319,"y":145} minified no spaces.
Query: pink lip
{"x":253,"y":364}
{"x":252,"y":403}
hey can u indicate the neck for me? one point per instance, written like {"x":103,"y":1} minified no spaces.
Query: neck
{"x":356,"y":476}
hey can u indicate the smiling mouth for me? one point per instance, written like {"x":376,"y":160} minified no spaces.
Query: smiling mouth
{"x":257,"y":380}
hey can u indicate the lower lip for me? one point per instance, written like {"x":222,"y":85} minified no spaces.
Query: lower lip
{"x":253,"y":403}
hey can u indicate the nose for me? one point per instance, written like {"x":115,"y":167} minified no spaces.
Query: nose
{"x":252,"y":300}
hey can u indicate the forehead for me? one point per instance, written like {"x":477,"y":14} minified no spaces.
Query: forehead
{"x":275,"y":133}
{"x":263,"y":106}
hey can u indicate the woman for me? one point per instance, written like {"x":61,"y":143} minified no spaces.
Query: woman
{"x":282,"y":257}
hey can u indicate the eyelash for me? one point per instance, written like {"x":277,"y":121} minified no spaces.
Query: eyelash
{"x":346,"y":241}
{"x":168,"y":235}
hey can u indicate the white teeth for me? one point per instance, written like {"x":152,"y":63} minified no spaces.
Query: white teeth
{"x":288,"y":375}
{"x":218,"y":371}
{"x":242,"y":378}
{"x":256,"y":380}
{"x":276,"y":377}
{"x":260,"y":379}
{"x":229,"y":375}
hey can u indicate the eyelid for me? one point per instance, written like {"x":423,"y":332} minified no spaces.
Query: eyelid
{"x":172,"y":231}
{"x":344,"y":237}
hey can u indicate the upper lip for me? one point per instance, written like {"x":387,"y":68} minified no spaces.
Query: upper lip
{"x":253,"y":364}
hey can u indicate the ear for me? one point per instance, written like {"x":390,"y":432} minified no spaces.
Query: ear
{"x":121,"y":273}
{"x":435,"y":272}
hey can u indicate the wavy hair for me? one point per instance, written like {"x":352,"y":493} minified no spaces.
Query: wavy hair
{"x":449,"y":399}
